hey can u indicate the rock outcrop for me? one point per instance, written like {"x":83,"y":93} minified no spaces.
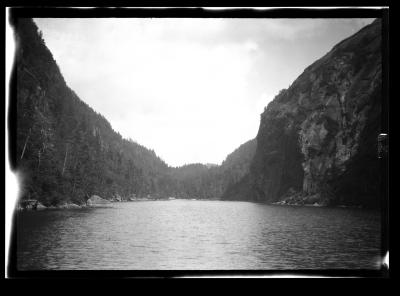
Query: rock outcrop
{"x":117,"y":198}
{"x":318,"y":139}
{"x":96,"y":200}
{"x":68,"y":206}
{"x":30,"y":204}
{"x":40,"y":206}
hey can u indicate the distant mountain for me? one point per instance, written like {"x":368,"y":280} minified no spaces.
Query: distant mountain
{"x":210,"y":182}
{"x":317,"y":140}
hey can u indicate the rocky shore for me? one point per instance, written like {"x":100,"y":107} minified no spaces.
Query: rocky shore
{"x":316,"y":200}
{"x":94,"y":201}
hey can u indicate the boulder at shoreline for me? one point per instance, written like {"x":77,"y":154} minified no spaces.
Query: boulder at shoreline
{"x":40,"y":206}
{"x":68,"y":206}
{"x":96,"y":200}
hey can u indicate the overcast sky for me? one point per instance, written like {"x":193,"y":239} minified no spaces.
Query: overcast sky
{"x":191,"y":89}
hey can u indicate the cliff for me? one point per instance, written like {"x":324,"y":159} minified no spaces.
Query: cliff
{"x":317,"y":140}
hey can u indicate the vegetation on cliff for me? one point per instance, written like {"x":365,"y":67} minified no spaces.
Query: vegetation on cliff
{"x":64,"y":149}
{"x":318,"y":139}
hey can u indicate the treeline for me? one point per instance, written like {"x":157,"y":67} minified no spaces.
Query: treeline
{"x":210,"y":182}
{"x":65,"y":151}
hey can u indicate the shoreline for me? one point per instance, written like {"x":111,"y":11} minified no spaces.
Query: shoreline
{"x":316,"y":205}
{"x":107,"y":203}
{"x":73,"y":206}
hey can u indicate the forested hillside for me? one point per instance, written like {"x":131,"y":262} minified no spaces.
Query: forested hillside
{"x":66,"y":152}
{"x":204,"y":181}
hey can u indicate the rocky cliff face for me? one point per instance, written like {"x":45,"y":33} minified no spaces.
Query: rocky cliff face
{"x":317,"y":139}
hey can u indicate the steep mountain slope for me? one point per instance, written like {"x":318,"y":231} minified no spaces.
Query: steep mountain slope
{"x":317,"y":140}
{"x":65,"y":151}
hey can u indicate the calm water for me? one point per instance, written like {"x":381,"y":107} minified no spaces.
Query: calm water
{"x":189,"y":234}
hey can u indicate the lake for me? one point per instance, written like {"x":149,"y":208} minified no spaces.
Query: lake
{"x":193,"y":234}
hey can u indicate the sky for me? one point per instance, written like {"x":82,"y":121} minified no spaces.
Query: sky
{"x":190,"y":89}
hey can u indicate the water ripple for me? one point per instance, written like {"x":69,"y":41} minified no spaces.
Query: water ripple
{"x":198,"y":235}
